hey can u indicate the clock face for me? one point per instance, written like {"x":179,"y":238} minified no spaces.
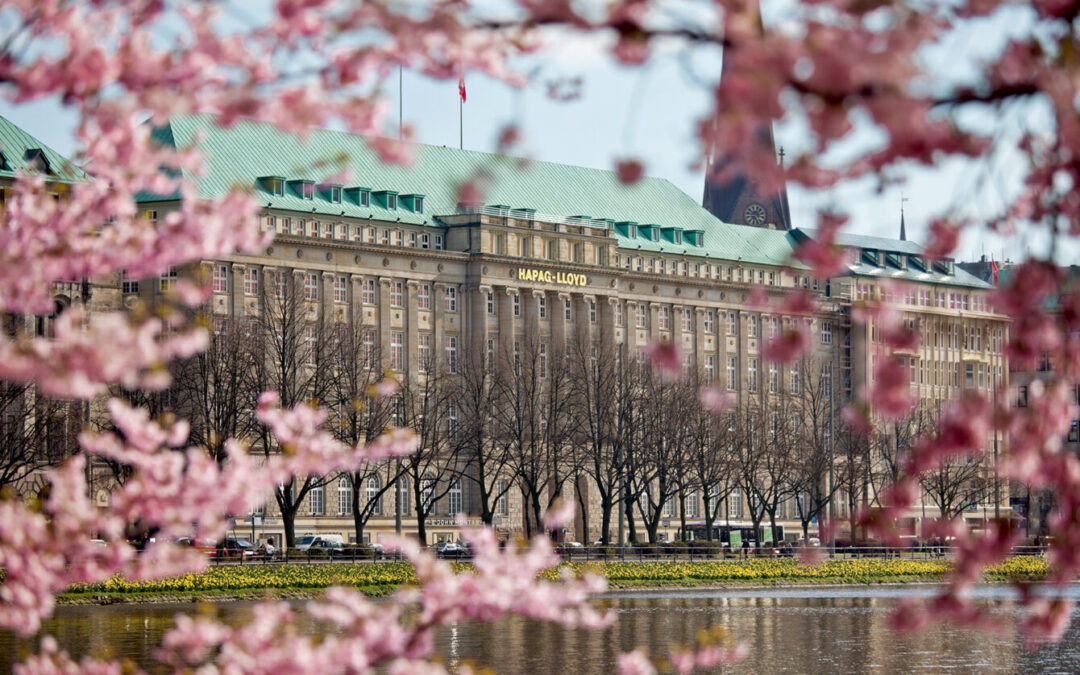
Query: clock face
{"x":754,"y":215}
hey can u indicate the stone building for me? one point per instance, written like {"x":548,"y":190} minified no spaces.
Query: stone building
{"x":552,"y":258}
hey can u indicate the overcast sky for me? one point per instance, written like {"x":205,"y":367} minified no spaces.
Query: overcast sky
{"x":651,"y":113}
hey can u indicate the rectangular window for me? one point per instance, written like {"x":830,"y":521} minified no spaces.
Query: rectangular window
{"x":710,"y":368}
{"x":397,"y":293}
{"x":664,"y":318}
{"x":541,"y":361}
{"x":221,"y":279}
{"x":317,"y":501}
{"x":796,"y":379}
{"x":251,"y":281}
{"x":450,"y":346}
{"x":391,"y":202}
{"x":732,"y":372}
{"x":640,"y":316}
{"x":281,"y":281}
{"x":569,"y":310}
{"x":618,"y":314}
{"x":129,"y":285}
{"x":687,"y":320}
{"x":517,"y":305}
{"x":710,"y":322}
{"x":423,"y":296}
{"x":328,"y":230}
{"x":371,"y":235}
{"x":340,"y":289}
{"x":438,"y":242}
{"x":398,"y":241}
{"x":451,"y":298}
{"x":752,"y":326}
{"x":826,"y":332}
{"x":541,"y":306}
{"x":367,"y":292}
{"x":397,"y":350}
{"x":425,"y":241}
{"x":412,"y":240}
{"x":774,"y":377}
{"x":369,"y":348}
{"x":732,"y":324}
{"x":592,"y":311}
{"x":423,"y":351}
{"x":490,"y":303}
{"x":384,"y":237}
{"x":490,"y":351}
{"x":753,"y":373}
{"x":311,"y":286}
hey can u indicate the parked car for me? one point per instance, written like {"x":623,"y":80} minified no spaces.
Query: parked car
{"x":452,"y":549}
{"x":329,"y":543}
{"x":569,"y":548}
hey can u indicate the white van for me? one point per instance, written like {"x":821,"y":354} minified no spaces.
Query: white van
{"x":326,"y":542}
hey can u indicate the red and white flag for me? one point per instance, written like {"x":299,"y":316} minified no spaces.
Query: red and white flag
{"x":461,"y":86}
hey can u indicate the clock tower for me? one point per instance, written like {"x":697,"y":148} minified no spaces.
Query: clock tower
{"x":744,"y":185}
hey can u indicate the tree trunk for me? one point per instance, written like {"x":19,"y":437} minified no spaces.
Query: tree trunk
{"x":421,"y":515}
{"x":605,"y":520}
{"x":707,"y":503}
{"x":358,"y":519}
{"x":582,"y":536}
{"x":682,"y":518}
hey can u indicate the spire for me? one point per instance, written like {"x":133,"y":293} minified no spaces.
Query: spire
{"x":751,"y":189}
{"x":903,"y":228}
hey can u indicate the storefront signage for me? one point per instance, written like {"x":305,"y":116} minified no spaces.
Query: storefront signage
{"x":549,"y":277}
{"x":451,"y":522}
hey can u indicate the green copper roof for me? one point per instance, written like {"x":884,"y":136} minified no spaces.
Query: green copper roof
{"x":16,"y":143}
{"x":237,"y":156}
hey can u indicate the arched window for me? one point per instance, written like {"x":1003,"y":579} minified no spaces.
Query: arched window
{"x":427,"y":490}
{"x":403,"y":495}
{"x":455,"y":501}
{"x":373,"y":485}
{"x":344,"y":495}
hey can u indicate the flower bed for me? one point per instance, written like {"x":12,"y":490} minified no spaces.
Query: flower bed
{"x":388,"y":575}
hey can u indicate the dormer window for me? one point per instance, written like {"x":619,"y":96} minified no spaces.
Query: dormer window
{"x":36,"y":161}
{"x":335,"y":194}
{"x":391,"y":202}
{"x":305,"y":189}
{"x":4,"y":166}
{"x":677,"y":236}
{"x":655,"y":233}
{"x":413,"y":202}
{"x":631,"y":231}
{"x":275,"y":185}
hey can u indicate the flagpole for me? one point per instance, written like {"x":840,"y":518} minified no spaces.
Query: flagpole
{"x":400,"y":105}
{"x":461,"y":123}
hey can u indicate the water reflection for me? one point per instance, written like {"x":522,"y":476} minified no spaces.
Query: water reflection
{"x":792,"y":630}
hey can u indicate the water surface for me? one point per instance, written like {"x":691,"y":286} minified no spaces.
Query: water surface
{"x":797,"y":630}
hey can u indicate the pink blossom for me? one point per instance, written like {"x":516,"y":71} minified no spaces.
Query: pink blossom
{"x":559,"y":515}
{"x":666,"y":358}
{"x":629,"y":170}
{"x":715,"y":401}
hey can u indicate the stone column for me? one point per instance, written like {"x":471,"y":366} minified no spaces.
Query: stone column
{"x":236,"y":289}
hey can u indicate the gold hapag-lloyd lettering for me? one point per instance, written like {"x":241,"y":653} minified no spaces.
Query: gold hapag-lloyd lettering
{"x":547,"y":277}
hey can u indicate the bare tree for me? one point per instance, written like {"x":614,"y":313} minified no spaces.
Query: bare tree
{"x":291,"y":345}
{"x":35,"y":432}
{"x":813,"y":461}
{"x":600,"y":389}
{"x":358,"y":415}
{"x":209,"y":389}
{"x":711,"y":455}
{"x":485,"y":459}
{"x":532,"y":412}
{"x":662,"y":456}
{"x":424,"y":405}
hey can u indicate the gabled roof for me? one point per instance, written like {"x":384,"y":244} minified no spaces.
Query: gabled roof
{"x":238,"y":155}
{"x":859,"y":267}
{"x":18,"y":149}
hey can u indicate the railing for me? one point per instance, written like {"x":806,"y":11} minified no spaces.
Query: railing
{"x":671,"y":552}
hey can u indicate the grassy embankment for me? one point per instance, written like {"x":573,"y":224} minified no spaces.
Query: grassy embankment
{"x":308,"y":580}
